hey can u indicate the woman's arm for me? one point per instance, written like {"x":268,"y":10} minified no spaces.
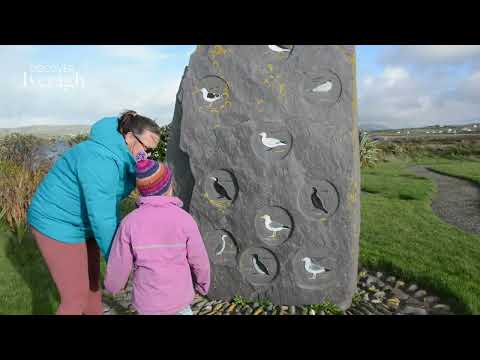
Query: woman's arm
{"x":99,"y":181}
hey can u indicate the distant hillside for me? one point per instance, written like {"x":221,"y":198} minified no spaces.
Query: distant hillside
{"x":46,"y":131}
{"x":372,"y":127}
{"x":432,"y":131}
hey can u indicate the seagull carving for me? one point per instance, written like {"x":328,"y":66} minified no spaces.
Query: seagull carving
{"x":221,"y":246}
{"x":259,"y":266}
{"x":317,"y":202}
{"x":270,"y":142}
{"x":273,"y":226}
{"x":220,"y":189}
{"x":210,"y":96}
{"x":312,"y":268}
{"x":324,"y":87}
{"x":279,"y":48}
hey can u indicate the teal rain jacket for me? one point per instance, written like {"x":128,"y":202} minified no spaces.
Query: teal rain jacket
{"x":81,"y":194}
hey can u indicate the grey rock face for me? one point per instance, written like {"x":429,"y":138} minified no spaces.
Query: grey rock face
{"x":264,"y":148}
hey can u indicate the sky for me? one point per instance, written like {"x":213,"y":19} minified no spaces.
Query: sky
{"x":398,"y":85}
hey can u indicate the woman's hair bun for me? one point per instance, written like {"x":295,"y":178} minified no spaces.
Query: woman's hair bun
{"x":131,"y":121}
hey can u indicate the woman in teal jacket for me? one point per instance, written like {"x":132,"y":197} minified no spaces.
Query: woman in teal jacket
{"x":75,"y":212}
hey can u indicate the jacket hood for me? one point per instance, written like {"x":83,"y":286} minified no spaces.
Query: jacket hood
{"x":105,"y":133}
{"x":159,"y":200}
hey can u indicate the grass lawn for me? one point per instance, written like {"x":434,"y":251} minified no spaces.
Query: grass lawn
{"x":400,"y":234}
{"x":467,"y":168}
{"x":26,"y":286}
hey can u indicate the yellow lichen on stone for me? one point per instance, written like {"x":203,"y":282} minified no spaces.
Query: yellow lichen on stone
{"x":282,"y":89}
{"x":352,"y":196}
{"x":218,"y":204}
{"x":355,"y":140}
{"x":217,"y":50}
{"x":270,"y":67}
{"x":196,"y":90}
{"x":346,"y":54}
{"x":226,"y":95}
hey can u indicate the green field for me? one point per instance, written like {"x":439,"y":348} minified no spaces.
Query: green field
{"x":26,"y":286}
{"x":400,"y":235}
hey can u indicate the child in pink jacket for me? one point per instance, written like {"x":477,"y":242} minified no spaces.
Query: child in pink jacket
{"x":162,"y":243}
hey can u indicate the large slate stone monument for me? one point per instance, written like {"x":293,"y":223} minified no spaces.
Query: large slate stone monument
{"x":264,"y":148}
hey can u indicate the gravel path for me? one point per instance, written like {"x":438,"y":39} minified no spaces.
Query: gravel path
{"x":377,"y":294}
{"x":457,"y":201}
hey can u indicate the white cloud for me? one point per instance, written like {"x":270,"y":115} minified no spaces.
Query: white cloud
{"x":110,"y":87}
{"x":431,"y":54}
{"x":422,"y":85}
{"x":133,"y":52}
{"x":392,"y":75}
{"x":397,"y":98}
{"x":443,"y":51}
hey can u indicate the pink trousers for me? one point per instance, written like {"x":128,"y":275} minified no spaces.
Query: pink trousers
{"x":75,"y":269}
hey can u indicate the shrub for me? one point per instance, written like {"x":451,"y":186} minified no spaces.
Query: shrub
{"x":369,"y":151}
{"x":73,"y":140}
{"x":328,"y":307}
{"x":161,"y":150}
{"x":21,"y":171}
{"x":18,"y":183}
{"x":20,"y":149}
{"x":418,"y":148}
{"x":240,"y":301}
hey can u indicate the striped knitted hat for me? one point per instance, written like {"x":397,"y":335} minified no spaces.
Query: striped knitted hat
{"x":153,"y":177}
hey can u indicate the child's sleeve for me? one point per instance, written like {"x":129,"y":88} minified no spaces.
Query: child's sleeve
{"x":120,"y":261}
{"x":198,"y":259}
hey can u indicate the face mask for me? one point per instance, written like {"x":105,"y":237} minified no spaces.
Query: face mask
{"x":142,"y":155}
